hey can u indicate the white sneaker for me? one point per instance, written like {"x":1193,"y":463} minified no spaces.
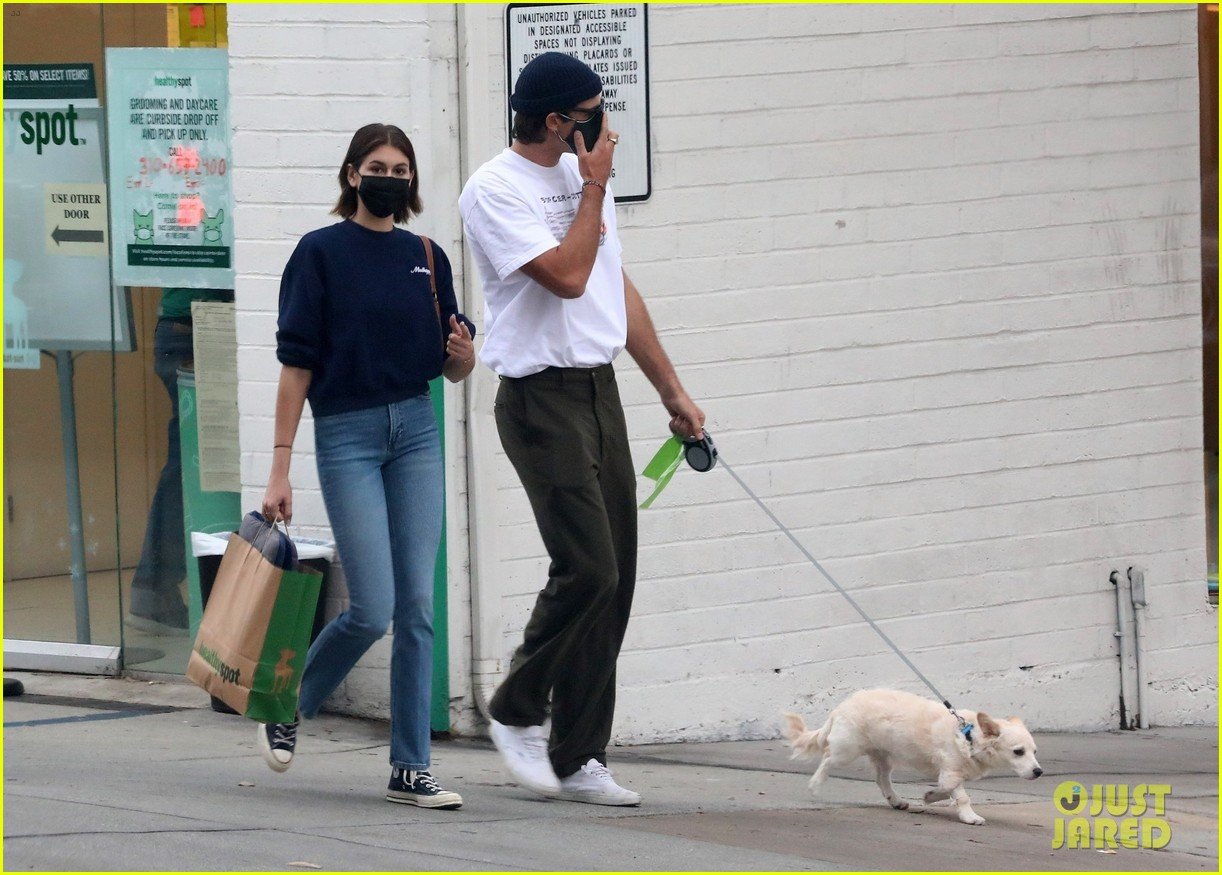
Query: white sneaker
{"x":524,"y":749}
{"x":593,"y":783}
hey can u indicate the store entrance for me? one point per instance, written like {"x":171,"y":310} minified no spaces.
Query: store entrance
{"x":89,"y":499}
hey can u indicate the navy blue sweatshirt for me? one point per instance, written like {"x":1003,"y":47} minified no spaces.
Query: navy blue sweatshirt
{"x":356,"y":310}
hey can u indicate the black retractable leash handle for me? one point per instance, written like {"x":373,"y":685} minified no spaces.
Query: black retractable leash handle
{"x":701,"y":454}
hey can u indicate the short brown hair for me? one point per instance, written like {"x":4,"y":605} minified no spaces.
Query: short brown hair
{"x":528,"y":128}
{"x":363,"y":142}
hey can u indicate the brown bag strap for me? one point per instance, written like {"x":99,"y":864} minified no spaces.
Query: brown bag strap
{"x":428,"y":256}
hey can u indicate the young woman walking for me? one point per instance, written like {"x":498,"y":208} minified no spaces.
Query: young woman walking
{"x":367,"y":317}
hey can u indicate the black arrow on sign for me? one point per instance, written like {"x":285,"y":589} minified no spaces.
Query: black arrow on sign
{"x":75,"y":236}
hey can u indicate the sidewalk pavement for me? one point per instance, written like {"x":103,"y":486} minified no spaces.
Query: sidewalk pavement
{"x":123,"y":774}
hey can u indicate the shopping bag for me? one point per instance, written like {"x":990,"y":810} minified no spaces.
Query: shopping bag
{"x":253,"y":637}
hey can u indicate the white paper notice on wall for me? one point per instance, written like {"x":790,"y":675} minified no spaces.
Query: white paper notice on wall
{"x":613,"y":38}
{"x":216,"y":395}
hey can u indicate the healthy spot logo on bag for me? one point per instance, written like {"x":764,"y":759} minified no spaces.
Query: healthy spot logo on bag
{"x":224,"y":670}
{"x":284,"y":671}
{"x":1110,"y":814}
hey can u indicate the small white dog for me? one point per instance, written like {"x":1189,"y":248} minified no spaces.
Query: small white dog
{"x":896,"y":728}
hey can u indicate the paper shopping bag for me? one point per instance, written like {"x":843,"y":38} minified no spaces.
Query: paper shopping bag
{"x":253,"y":638}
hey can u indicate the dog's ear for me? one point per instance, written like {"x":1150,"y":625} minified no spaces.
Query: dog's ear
{"x":988,"y":725}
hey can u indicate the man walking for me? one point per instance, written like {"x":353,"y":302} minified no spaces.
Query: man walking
{"x":559,"y":308}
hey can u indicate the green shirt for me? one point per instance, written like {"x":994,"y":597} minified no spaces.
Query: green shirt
{"x":176,"y":303}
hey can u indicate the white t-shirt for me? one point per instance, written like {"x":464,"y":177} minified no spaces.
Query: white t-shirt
{"x":514,"y":210}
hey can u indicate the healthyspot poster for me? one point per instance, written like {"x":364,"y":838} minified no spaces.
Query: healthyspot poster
{"x":170,"y":170}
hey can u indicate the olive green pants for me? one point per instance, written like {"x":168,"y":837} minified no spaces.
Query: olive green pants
{"x":563,"y":430}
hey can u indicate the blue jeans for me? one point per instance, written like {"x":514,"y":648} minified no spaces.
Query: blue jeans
{"x":382,"y":483}
{"x":162,"y":566}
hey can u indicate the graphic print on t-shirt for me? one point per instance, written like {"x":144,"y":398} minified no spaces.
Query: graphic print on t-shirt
{"x":559,"y":211}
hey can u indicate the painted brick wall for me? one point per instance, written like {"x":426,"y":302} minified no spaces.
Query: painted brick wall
{"x":303,"y":79}
{"x":933,"y":273}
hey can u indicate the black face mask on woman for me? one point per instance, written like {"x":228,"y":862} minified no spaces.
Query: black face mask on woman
{"x":384,"y":195}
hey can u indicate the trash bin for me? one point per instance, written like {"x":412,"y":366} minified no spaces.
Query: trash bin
{"x":208,"y":548}
{"x":206,"y":512}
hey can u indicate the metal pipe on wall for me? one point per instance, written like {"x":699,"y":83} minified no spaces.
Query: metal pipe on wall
{"x":1137,"y":595}
{"x":1124,"y":654}
{"x":474,"y":38}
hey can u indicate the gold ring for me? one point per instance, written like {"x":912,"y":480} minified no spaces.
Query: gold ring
{"x":614,"y":140}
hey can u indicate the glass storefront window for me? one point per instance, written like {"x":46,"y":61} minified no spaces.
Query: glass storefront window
{"x":95,"y":551}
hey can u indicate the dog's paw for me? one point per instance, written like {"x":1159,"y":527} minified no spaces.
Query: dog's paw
{"x":972,"y":819}
{"x":900,"y":806}
{"x":933,"y":796}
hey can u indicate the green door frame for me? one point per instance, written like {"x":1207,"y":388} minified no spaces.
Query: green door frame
{"x":440,"y":707}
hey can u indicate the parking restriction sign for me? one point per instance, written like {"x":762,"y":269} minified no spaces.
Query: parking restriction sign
{"x":613,"y":39}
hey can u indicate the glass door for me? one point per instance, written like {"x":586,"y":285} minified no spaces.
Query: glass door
{"x":95,"y":557}
{"x":63,"y":322}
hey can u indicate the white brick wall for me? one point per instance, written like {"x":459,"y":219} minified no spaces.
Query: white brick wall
{"x":302,"y":80}
{"x":933,"y":273}
{"x":949,"y":400}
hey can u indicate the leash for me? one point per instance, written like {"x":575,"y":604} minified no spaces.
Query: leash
{"x":702,"y":455}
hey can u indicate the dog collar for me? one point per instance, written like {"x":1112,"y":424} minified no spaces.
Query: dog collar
{"x":965,"y":728}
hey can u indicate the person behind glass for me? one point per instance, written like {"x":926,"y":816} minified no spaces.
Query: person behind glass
{"x":157,"y":606}
{"x":541,"y":222}
{"x":360,"y":337}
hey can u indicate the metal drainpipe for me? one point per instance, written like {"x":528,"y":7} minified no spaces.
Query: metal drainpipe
{"x":1122,"y":650}
{"x":485,"y":602}
{"x":481,"y":483}
{"x":1137,"y":593}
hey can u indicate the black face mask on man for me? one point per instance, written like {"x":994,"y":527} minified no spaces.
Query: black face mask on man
{"x":384,"y":195}
{"x":589,"y":130}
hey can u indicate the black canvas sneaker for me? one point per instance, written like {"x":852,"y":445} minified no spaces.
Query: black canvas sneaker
{"x":420,"y":788}
{"x":277,"y":741}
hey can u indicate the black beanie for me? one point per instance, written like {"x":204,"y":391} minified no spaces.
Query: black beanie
{"x":554,"y":82}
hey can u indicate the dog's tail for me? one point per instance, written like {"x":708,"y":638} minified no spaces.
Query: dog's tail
{"x":806,"y":743}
